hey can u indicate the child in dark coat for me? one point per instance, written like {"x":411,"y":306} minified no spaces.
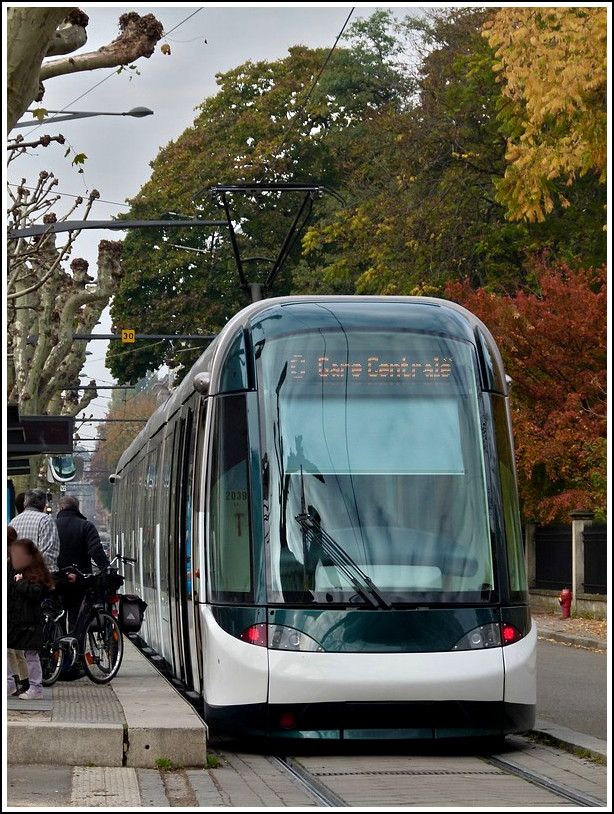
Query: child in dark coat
{"x":28,"y":583}
{"x":17,"y":674}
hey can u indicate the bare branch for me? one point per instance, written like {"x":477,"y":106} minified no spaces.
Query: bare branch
{"x":15,"y":295}
{"x":43,"y":141}
{"x":138,"y":38}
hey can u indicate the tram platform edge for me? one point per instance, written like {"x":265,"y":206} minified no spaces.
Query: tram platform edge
{"x":138,"y":720}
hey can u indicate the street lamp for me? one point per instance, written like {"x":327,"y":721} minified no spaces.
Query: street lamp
{"x":136,"y":112}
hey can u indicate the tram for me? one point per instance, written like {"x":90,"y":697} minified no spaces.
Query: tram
{"x":325,"y":519}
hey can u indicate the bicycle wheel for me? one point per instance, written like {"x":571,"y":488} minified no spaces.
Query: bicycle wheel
{"x":102,"y":647}
{"x":51,"y":654}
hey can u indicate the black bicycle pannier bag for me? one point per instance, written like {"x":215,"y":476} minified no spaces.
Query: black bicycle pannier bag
{"x":131,"y":611}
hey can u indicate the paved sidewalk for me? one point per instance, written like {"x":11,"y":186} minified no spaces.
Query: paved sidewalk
{"x":555,"y":628}
{"x":239,"y":781}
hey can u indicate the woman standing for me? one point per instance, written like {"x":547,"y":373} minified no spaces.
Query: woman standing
{"x":28,"y":583}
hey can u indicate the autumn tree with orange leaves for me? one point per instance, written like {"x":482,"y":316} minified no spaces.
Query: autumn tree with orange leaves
{"x":554,"y":346}
{"x":117,"y":435}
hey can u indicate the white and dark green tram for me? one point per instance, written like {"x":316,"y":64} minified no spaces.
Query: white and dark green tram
{"x":326,"y":524}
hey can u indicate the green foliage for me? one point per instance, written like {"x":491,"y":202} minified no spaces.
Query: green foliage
{"x":119,"y":434}
{"x":259,"y":127}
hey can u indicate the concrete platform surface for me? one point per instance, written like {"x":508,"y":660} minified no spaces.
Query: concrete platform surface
{"x":136,"y":720}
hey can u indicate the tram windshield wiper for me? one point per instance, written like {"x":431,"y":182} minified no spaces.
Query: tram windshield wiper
{"x":362,"y":583}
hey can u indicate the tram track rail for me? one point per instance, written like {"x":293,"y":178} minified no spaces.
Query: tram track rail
{"x":577,"y":797}
{"x":316,"y":787}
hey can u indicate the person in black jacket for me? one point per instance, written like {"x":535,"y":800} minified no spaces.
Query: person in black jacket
{"x":79,"y":545}
{"x":79,"y":538}
{"x":28,"y":583}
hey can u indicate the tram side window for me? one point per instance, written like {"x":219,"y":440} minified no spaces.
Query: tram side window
{"x":164,"y":486}
{"x":151,"y":477}
{"x":511,"y":513}
{"x":230,"y":565}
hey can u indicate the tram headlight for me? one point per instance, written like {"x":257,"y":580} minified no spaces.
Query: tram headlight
{"x":280,"y":637}
{"x":495,"y":634}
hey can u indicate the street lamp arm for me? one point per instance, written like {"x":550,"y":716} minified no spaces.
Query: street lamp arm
{"x":117,"y":225}
{"x":136,"y":112}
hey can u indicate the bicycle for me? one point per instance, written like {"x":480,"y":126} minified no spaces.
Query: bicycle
{"x":95,"y":640}
{"x":52,"y":651}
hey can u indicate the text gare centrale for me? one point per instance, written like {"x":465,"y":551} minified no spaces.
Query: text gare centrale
{"x":371,"y":368}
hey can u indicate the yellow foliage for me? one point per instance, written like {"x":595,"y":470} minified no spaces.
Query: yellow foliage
{"x":553,"y":67}
{"x":425,"y":290}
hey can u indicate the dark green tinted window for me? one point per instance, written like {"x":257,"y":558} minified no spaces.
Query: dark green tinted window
{"x":509,"y":495}
{"x":229,"y":543}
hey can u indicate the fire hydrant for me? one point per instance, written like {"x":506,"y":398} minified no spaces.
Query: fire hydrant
{"x":565,"y":602}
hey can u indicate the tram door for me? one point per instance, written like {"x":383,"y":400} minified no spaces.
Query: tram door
{"x":191,"y":535}
{"x":177,"y":443}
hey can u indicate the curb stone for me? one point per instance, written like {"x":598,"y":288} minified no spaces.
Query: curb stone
{"x":569,"y":638}
{"x":570,"y":740}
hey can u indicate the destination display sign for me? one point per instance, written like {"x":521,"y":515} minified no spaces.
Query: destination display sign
{"x":374,"y":367}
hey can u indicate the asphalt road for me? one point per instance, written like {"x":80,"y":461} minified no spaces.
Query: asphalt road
{"x":572,"y":688}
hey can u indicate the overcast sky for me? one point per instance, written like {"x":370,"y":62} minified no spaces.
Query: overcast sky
{"x":215,"y":39}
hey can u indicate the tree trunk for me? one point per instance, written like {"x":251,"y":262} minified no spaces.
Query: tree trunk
{"x":28,"y":33}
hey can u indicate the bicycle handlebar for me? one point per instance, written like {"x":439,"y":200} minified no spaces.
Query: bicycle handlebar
{"x":125,"y":560}
{"x":74,"y":570}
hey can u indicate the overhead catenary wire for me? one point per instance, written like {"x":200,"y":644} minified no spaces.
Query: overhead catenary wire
{"x":314,"y":84}
{"x":189,"y":17}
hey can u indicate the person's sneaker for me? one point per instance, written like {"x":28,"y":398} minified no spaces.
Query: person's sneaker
{"x":31,"y":695}
{"x":21,"y":685}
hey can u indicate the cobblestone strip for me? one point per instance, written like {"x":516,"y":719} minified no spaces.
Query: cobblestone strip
{"x":254,"y":780}
{"x":206,"y":791}
{"x":152,"y":788}
{"x":178,"y":790}
{"x":104,"y":786}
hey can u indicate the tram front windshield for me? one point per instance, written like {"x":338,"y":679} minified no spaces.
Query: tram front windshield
{"x":374,"y":450}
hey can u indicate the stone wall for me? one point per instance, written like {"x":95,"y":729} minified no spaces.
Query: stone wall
{"x":593,"y":605}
